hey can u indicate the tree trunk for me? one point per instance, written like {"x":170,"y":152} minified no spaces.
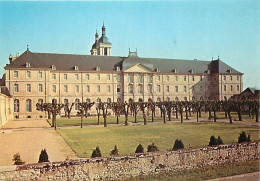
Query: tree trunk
{"x":164,"y":118}
{"x":54,"y":121}
{"x":169,"y":116}
{"x":197,"y":116}
{"x":225,"y":114}
{"x":230,"y":118}
{"x":81,"y":120}
{"x":161,"y":112}
{"x":189,"y":112}
{"x":210,"y":115}
{"x":256,"y":115}
{"x":176,"y":114}
{"x":249,"y":111}
{"x":98,"y":119}
{"x":186,"y":112}
{"x":135,"y":113}
{"x":215,"y":116}
{"x":68,"y":114}
{"x":199,"y":113}
{"x":105,"y":120}
{"x":181,"y":117}
{"x":239,"y":116}
{"x":152,"y":115}
{"x":117,"y":120}
{"x":49,"y":115}
{"x":144,"y":116}
{"x":126,"y":120}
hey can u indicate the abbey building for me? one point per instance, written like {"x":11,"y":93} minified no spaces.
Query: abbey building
{"x":65,"y":78}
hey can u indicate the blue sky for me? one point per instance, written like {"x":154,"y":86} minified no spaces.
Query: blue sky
{"x":163,"y":29}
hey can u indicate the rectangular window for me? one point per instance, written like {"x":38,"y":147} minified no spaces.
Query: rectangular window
{"x":39,"y":75}
{"x":98,"y":88}
{"x":167,"y":88}
{"x":118,"y":77}
{"x":139,"y":78}
{"x":65,"y":88}
{"x":16,"y":88}
{"x":176,"y":89}
{"x":185,"y":89}
{"x":28,"y":74}
{"x":150,"y":79}
{"x":98,"y":77}
{"x":224,"y":77}
{"x":108,"y":88}
{"x":15,"y":74}
{"x":158,"y":88}
{"x":87,"y":76}
{"x":76,"y":76}
{"x":230,"y":78}
{"x":184,"y":78}
{"x":231,"y":88}
{"x":193,"y":79}
{"x":176,"y":78}
{"x":237,"y":88}
{"x":108,"y":77}
{"x":118,"y":88}
{"x":40,"y":88}
{"x":65,"y":76}
{"x":237,"y":78}
{"x":76,"y":89}
{"x":53,"y":88}
{"x":158,"y":77}
{"x":167,"y":78}
{"x":201,"y":78}
{"x":87,"y":88}
{"x":28,"y":88}
{"x":53,"y":76}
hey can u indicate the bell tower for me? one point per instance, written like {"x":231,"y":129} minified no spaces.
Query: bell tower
{"x":102,"y":46}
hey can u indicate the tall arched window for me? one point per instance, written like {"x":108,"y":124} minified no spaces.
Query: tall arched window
{"x":105,"y":51}
{"x":87,"y":88}
{"x":28,"y":105}
{"x":66,"y":101}
{"x":88,"y":100}
{"x":98,"y":100}
{"x":193,"y":98}
{"x":140,"y":88}
{"x":168,"y":99}
{"x":77,"y":101}
{"x":225,"y":88}
{"x":54,"y":101}
{"x":130,"y":88}
{"x":185,"y":98}
{"x":150,"y":88}
{"x":40,"y":101}
{"x":201,"y":98}
{"x":158,"y":99}
{"x":16,"y":105}
{"x":109,"y":100}
{"x":176,"y":99}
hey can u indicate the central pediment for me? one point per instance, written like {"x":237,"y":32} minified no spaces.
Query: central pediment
{"x":138,"y":68}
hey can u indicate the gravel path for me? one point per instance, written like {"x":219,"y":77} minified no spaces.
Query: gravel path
{"x":28,"y":137}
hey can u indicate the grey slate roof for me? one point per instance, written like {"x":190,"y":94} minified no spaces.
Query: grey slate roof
{"x":109,"y":63}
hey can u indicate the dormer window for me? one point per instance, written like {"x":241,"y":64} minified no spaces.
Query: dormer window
{"x":97,"y":68}
{"x":191,"y":71}
{"x":118,"y":69}
{"x":208,"y":71}
{"x":229,"y":71}
{"x":27,"y":65}
{"x":53,"y":67}
{"x":76,"y":68}
{"x":174,"y":70}
{"x":157,"y":70}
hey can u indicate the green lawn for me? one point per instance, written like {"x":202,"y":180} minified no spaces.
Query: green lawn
{"x":83,"y":141}
{"x":205,"y":173}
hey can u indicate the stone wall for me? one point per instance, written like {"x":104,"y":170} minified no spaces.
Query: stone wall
{"x":111,"y":168}
{"x":6,"y":109}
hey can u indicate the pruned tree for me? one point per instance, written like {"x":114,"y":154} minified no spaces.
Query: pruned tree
{"x":152,"y":106}
{"x":125,"y":107}
{"x":239,"y":107}
{"x":84,"y":107}
{"x":196,"y":106}
{"x":255,"y":108}
{"x":162,"y":107}
{"x":116,"y":108}
{"x":98,"y":109}
{"x":180,"y":107}
{"x":67,"y":109}
{"x":135,"y":107}
{"x":186,"y":106}
{"x":104,"y":107}
{"x":169,"y":108}
{"x":143,"y":106}
{"x":53,"y":108}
